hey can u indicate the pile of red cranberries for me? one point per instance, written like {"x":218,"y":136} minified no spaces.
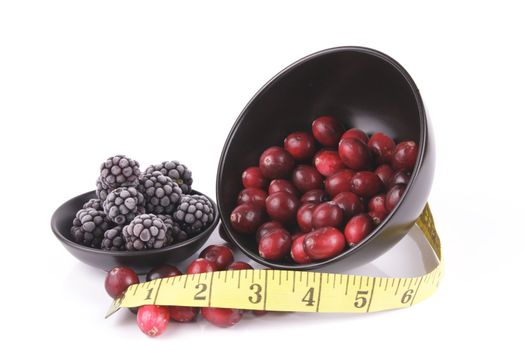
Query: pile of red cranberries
{"x":322,"y":191}
{"x":153,"y":319}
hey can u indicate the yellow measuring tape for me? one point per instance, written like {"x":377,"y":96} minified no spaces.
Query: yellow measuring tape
{"x":283,"y":290}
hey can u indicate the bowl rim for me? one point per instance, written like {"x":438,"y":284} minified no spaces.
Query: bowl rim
{"x":422,"y":145}
{"x":65,"y":240}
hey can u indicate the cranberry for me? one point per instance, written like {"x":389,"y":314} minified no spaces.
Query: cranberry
{"x":253,"y":178}
{"x":315,"y":196}
{"x":183,"y":313}
{"x":267,"y":227}
{"x":297,"y":251}
{"x":339,"y":182}
{"x":327,"y":214}
{"x":275,"y":244}
{"x":366,"y":184}
{"x":377,"y":209}
{"x":354,"y":154}
{"x":400,"y":177}
{"x":282,"y":206}
{"x":327,"y":130}
{"x":355,"y":133}
{"x":328,"y":162}
{"x":245,"y":218}
{"x":281,"y":185}
{"x":405,"y":156}
{"x":119,"y":279}
{"x":382,"y":147}
{"x":301,"y":145}
{"x":153,"y":319}
{"x":221,"y":317}
{"x":201,"y":265}
{"x":350,"y":203}
{"x":252,"y":195}
{"x":222,"y":233}
{"x":220,"y":255}
{"x":304,"y":216}
{"x":358,"y":227}
{"x":324,"y":243}
{"x":239,"y":265}
{"x":385,"y":173}
{"x":162,"y":272}
{"x":275,"y":163}
{"x":260,"y":312}
{"x":393,"y":196}
{"x":306,"y":178}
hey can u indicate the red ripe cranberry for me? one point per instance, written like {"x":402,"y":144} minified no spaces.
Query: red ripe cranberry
{"x":282,"y":206}
{"x":405,"y":156}
{"x":327,"y":214}
{"x":260,"y":312}
{"x":162,"y":272}
{"x":355,"y":133}
{"x":252,"y":195}
{"x":354,"y":154}
{"x":400,"y":177}
{"x":119,"y":279}
{"x":281,"y":185}
{"x":253,"y":178}
{"x":222,"y":233}
{"x":153,"y":319}
{"x":306,"y":178}
{"x":183,"y":313}
{"x":393,"y":196}
{"x":201,"y":265}
{"x":366,"y":184}
{"x":304,"y":216}
{"x":382,"y":147}
{"x":328,"y":162}
{"x":339,"y":182}
{"x":245,"y":218}
{"x":350,"y":203}
{"x":265,"y":228}
{"x":239,"y":265}
{"x":275,"y":244}
{"x":385,"y":173}
{"x":377,"y":208}
{"x":327,"y":130}
{"x":301,"y":145}
{"x":276,"y":163}
{"x":220,"y":255}
{"x":297,"y":251}
{"x":221,"y":317}
{"x":324,"y":243}
{"x":358,"y":228}
{"x":315,"y":196}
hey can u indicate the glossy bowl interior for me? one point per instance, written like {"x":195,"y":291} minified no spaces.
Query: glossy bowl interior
{"x":141,"y":261}
{"x":363,"y":88}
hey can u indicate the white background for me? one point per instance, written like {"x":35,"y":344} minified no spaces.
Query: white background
{"x":82,"y":80}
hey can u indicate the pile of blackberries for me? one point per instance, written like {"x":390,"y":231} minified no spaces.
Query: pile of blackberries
{"x":137,"y":210}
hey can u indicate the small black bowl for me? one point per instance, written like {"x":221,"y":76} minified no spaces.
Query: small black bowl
{"x":363,"y":88}
{"x":141,"y":261}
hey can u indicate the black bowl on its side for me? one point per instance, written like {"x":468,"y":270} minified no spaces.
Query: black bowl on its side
{"x":141,"y":261}
{"x":363,"y":88}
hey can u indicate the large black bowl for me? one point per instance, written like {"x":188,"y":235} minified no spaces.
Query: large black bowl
{"x":363,"y":88}
{"x":141,"y":261}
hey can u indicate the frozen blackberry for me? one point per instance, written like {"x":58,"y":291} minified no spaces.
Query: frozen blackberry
{"x":123,"y":204}
{"x":89,"y":226}
{"x":176,"y":171}
{"x":119,"y":171}
{"x":162,"y":194}
{"x":113,"y":239}
{"x":194,"y":213}
{"x":94,"y":203}
{"x":175,"y":233}
{"x":146,"y":231}
{"x":102,"y":190}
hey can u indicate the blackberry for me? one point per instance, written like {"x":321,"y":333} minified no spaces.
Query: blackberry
{"x":174,"y":233}
{"x":119,"y":171}
{"x":94,"y":203}
{"x":102,"y":190}
{"x":177,"y":171}
{"x":89,"y":226}
{"x":194,"y":213}
{"x":145,"y":231}
{"x":113,"y":239}
{"x":123,"y":204}
{"x":162,"y":195}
